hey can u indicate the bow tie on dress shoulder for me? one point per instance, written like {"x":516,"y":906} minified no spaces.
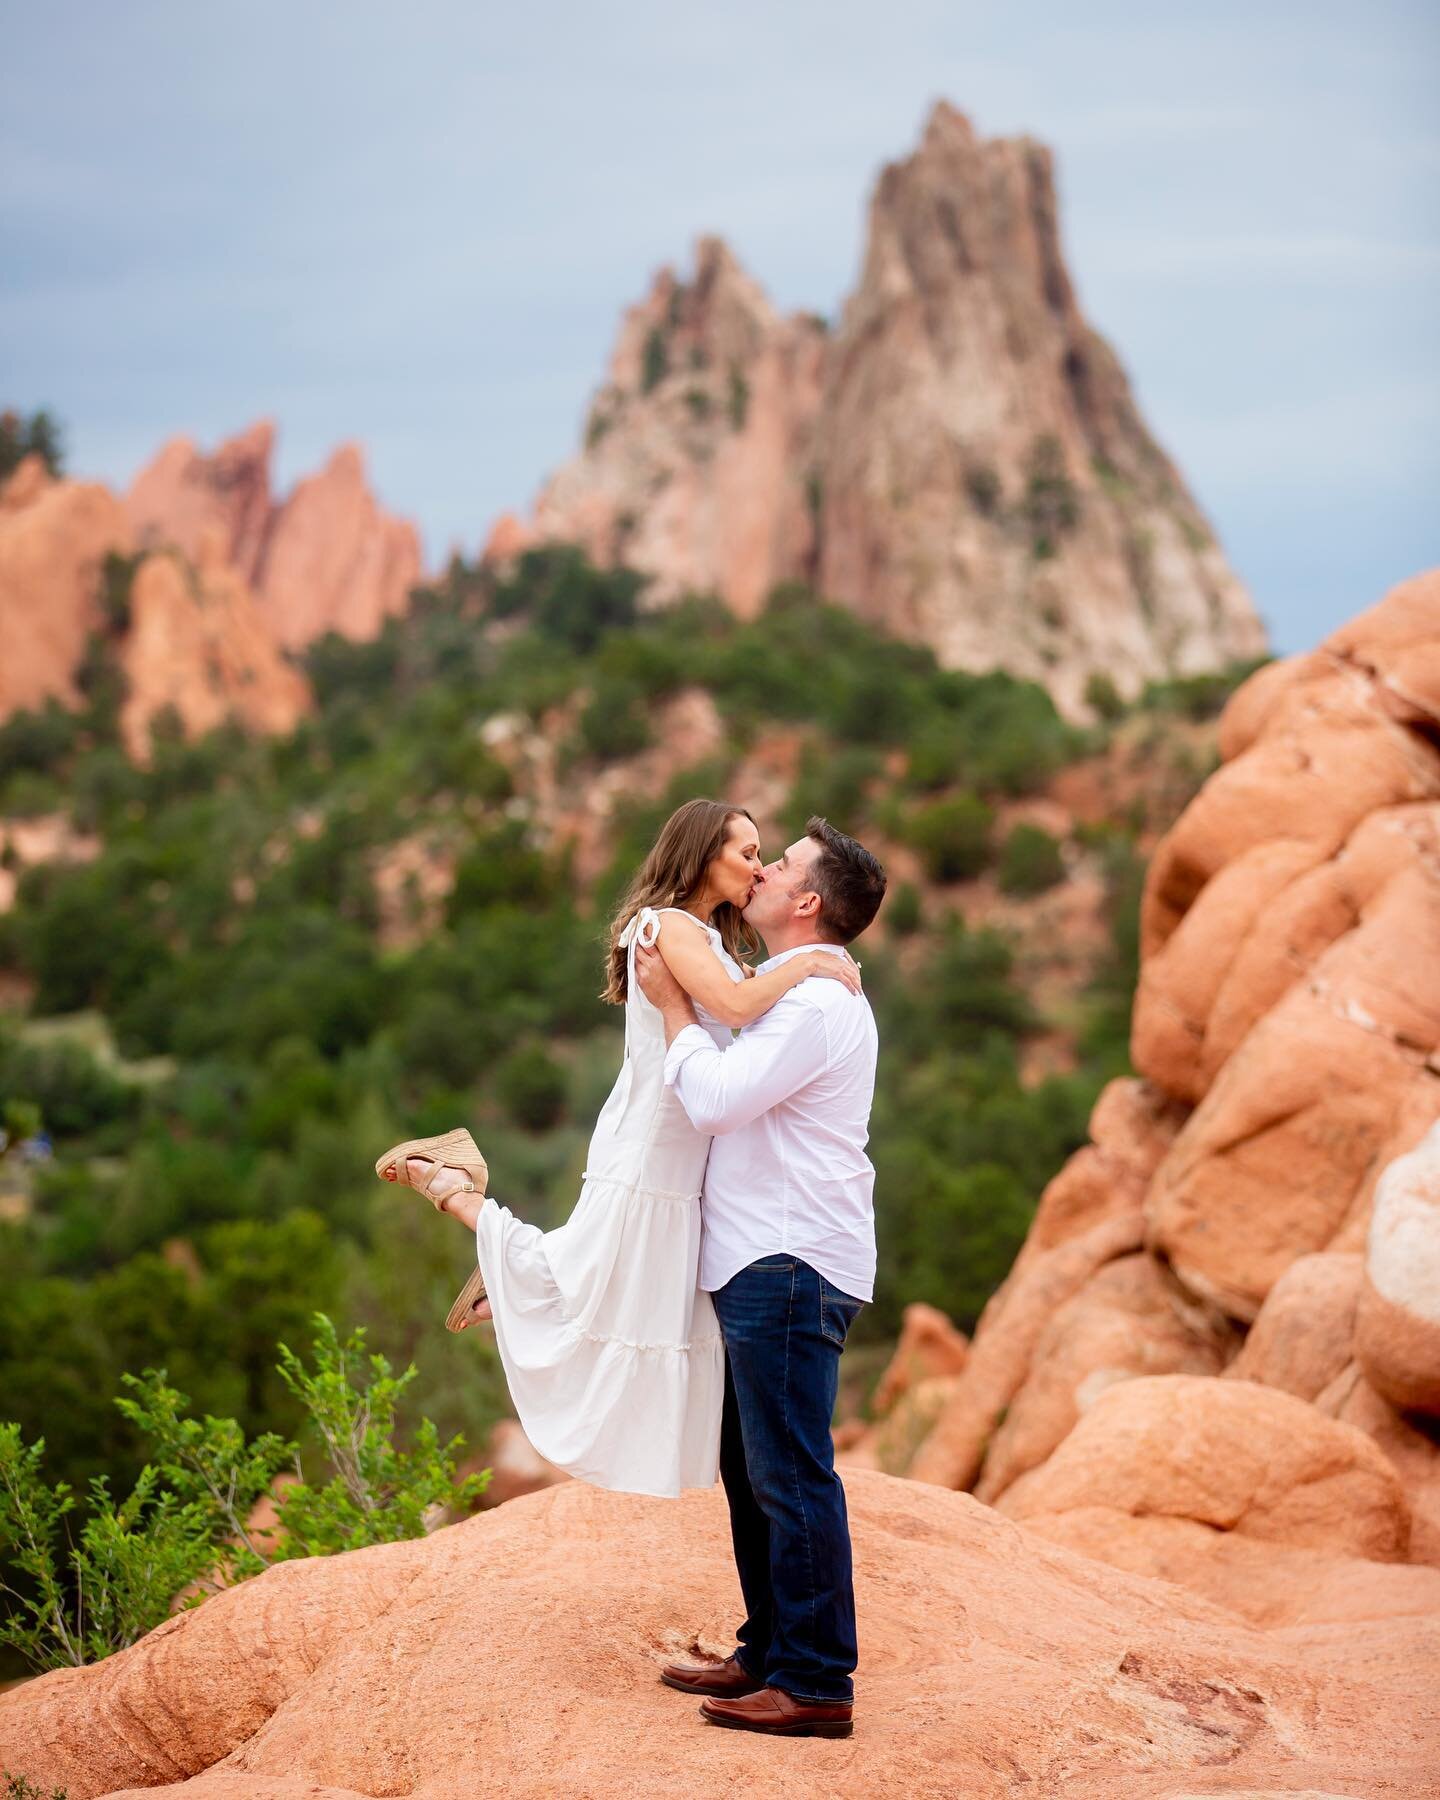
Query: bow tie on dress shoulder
{"x":642,"y":930}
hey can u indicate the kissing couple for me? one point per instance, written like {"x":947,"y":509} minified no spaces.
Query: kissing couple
{"x":689,"y":1317}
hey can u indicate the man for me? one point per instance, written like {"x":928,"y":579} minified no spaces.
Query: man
{"x":788,"y":1256}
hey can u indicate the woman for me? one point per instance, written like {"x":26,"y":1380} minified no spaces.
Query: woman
{"x":611,"y":1350}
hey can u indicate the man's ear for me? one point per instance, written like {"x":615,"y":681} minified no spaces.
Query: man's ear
{"x":807,"y":906}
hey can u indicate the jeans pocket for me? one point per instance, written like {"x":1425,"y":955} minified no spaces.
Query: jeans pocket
{"x":779,"y":1264}
{"x":837,"y":1312}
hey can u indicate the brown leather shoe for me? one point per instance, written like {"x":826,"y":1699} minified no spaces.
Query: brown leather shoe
{"x":781,"y":1714}
{"x":726,"y":1678}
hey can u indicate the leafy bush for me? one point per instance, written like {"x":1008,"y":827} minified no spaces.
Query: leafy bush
{"x":614,"y":723}
{"x":1102,"y":695}
{"x":187,"y":1518}
{"x":1030,"y":861}
{"x":532,"y":1087}
{"x":1052,"y":501}
{"x":953,"y":836}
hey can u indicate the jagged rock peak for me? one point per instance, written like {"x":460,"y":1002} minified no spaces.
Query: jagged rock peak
{"x":962,"y":462}
{"x":696,"y":447}
{"x":326,"y":558}
{"x":183,"y":493}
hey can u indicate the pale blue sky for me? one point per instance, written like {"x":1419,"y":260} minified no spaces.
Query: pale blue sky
{"x":417,"y":226}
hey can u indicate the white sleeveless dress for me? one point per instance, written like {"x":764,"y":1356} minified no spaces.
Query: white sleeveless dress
{"x":611,"y":1351}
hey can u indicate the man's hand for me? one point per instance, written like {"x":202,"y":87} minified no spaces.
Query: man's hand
{"x":663,"y":992}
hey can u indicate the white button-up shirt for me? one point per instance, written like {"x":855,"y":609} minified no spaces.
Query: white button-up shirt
{"x":788,"y":1104}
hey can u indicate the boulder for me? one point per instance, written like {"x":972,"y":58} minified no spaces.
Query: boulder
{"x":523,"y":1644}
{"x":1397,"y":1328}
{"x":1130,"y":1318}
{"x":1003,"y":1347}
{"x":1232,"y":1455}
{"x":1303,"y":1335}
{"x":1131,"y":1128}
{"x":1288,"y":1140}
{"x":929,"y":1345}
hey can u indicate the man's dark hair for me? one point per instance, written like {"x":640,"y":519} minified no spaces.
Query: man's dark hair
{"x":848,"y":879}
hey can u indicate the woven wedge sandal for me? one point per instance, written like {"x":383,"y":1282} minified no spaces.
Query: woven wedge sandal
{"x":466,"y":1301}
{"x":452,"y":1150}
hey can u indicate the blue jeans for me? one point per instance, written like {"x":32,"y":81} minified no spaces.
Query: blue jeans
{"x":784,"y":1327}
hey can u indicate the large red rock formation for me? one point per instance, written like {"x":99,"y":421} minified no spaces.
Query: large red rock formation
{"x":54,"y":537}
{"x":1248,"y":1252}
{"x":962,"y":462}
{"x":518,"y":1652}
{"x":327,"y":558}
{"x":334,"y":561}
{"x":189,"y":634}
{"x":184,"y":497}
{"x":198,"y":642}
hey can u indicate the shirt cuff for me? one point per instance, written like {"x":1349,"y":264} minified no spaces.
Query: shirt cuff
{"x":686,"y":1043}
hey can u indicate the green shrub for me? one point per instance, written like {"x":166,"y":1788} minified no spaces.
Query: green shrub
{"x":953,"y":836}
{"x":1102,"y":695}
{"x":1052,"y":501}
{"x":1030,"y":861}
{"x":186,"y":1520}
{"x":532,"y":1087}
{"x":739,"y":397}
{"x":615,"y":723}
{"x":655,"y":360}
{"x":902,"y":911}
{"x":38,"y":435}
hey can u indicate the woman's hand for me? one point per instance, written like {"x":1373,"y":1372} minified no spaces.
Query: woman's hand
{"x":841,"y":967}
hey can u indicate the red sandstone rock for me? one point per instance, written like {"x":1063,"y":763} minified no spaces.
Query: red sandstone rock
{"x":1004,"y":1343}
{"x":523,"y":1644}
{"x":325,"y":559}
{"x":197,"y":642}
{"x":1130,"y":1319}
{"x":333,"y":560}
{"x":1233,"y":1455}
{"x":1131,"y":1127}
{"x":54,"y":536}
{"x":1302,"y":1335}
{"x":929,"y":1345}
{"x":184,"y":497}
{"x":1397,"y":1327}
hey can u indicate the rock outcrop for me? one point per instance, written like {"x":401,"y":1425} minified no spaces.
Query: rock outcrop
{"x":327,"y":558}
{"x":518,"y":1650}
{"x":960,"y":462}
{"x":334,"y":561}
{"x":182,"y":625}
{"x":697,"y":447}
{"x":184,"y":497}
{"x":54,"y":538}
{"x":198,"y":643}
{"x":1247,"y":1254}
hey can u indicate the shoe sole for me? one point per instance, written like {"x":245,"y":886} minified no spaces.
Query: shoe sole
{"x":458,"y":1318}
{"x":837,"y":1728}
{"x":713,"y":1693}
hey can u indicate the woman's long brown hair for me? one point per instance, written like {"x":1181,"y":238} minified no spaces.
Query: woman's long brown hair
{"x":674,"y":872}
